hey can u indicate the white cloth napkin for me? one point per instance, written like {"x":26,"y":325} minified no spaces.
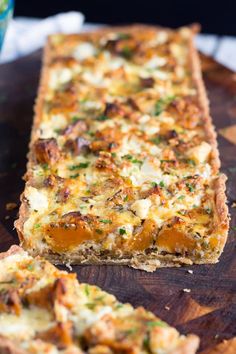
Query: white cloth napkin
{"x":24,"y":36}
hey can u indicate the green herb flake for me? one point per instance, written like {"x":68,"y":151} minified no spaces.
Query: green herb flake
{"x":119,"y":306}
{"x":99,"y":298}
{"x":191,"y":162}
{"x":162,"y":103}
{"x":102,"y":118}
{"x":30,"y":267}
{"x":190,"y":187}
{"x":79,"y":166}
{"x":123,"y":36}
{"x":208,"y":211}
{"x":98,"y":231}
{"x":181,"y":197}
{"x":132,"y":159}
{"x":162,"y":184}
{"x":154,"y":184}
{"x":126,"y":52}
{"x":86,"y":289}
{"x":146,"y":343}
{"x":106,"y":221}
{"x":74,"y":119}
{"x":74,"y":176}
{"x":156,"y":324}
{"x":130,"y":331}
{"x":45,"y":166}
{"x":233,"y":228}
{"x":157,"y":140}
{"x":122,"y":231}
{"x":91,"y":305}
{"x":126,"y":198}
{"x":127,"y":157}
{"x":113,"y":154}
{"x":37,"y":226}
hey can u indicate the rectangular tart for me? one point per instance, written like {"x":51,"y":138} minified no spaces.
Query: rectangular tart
{"x":123,"y":164}
{"x":44,"y":310}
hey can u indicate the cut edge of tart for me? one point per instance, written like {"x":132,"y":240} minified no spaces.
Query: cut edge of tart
{"x":46,"y":310}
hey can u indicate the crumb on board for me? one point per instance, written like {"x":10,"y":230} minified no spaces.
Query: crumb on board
{"x":190,"y":271}
{"x":216,"y":336}
{"x":229,"y":133}
{"x":68,"y":265}
{"x":186,"y":290}
{"x":11,"y":206}
{"x":233,"y":205}
{"x":7,"y":217}
{"x":167,"y":308}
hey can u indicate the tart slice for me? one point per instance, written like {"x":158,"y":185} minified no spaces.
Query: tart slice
{"x":45,"y":310}
{"x":123,"y":164}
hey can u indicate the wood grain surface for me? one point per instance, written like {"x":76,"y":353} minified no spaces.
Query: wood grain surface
{"x":209,"y":309}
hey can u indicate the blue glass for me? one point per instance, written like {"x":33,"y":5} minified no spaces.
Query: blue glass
{"x":5,"y":17}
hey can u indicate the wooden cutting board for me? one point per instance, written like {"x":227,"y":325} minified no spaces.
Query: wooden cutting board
{"x":209,"y":309}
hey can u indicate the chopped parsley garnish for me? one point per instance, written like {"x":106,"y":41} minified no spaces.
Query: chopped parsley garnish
{"x":190,"y":162}
{"x":86,"y":289}
{"x":79,"y":166}
{"x":122,"y":231}
{"x":154,"y":184}
{"x":113,"y":154}
{"x":131,"y":331}
{"x":75,"y":176}
{"x":190,"y":187}
{"x":162,"y":103}
{"x":98,"y":231}
{"x":36,"y":226}
{"x":119,"y":306}
{"x":127,"y":157}
{"x":102,"y":118}
{"x":126,"y":52}
{"x":45,"y":166}
{"x":106,"y":221}
{"x":157,"y":140}
{"x":91,"y":305}
{"x":74,"y":119}
{"x":146,"y":343}
{"x":156,"y":324}
{"x":57,"y":131}
{"x":181,"y":197}
{"x":132,"y":159}
{"x":30,"y":267}
{"x":99,"y":298}
{"x":91,"y":133}
{"x":233,"y":228}
{"x":162,"y":184}
{"x":208,"y":211}
{"x":126,"y":198}
{"x":123,"y":36}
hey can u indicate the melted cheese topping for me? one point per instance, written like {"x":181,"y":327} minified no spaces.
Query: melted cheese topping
{"x":121,"y":144}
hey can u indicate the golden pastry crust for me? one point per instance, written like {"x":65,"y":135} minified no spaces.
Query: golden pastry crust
{"x":56,"y":314}
{"x":161,"y":249}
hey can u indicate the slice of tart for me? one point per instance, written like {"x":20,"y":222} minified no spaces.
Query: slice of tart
{"x":45,"y":310}
{"x":123,"y":165}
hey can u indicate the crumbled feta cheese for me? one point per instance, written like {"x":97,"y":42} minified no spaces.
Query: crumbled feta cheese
{"x":141,"y":207}
{"x":37,"y":199}
{"x":84,"y":51}
{"x":200,"y":153}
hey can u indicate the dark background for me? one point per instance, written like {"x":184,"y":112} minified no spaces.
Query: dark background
{"x":215,"y":16}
